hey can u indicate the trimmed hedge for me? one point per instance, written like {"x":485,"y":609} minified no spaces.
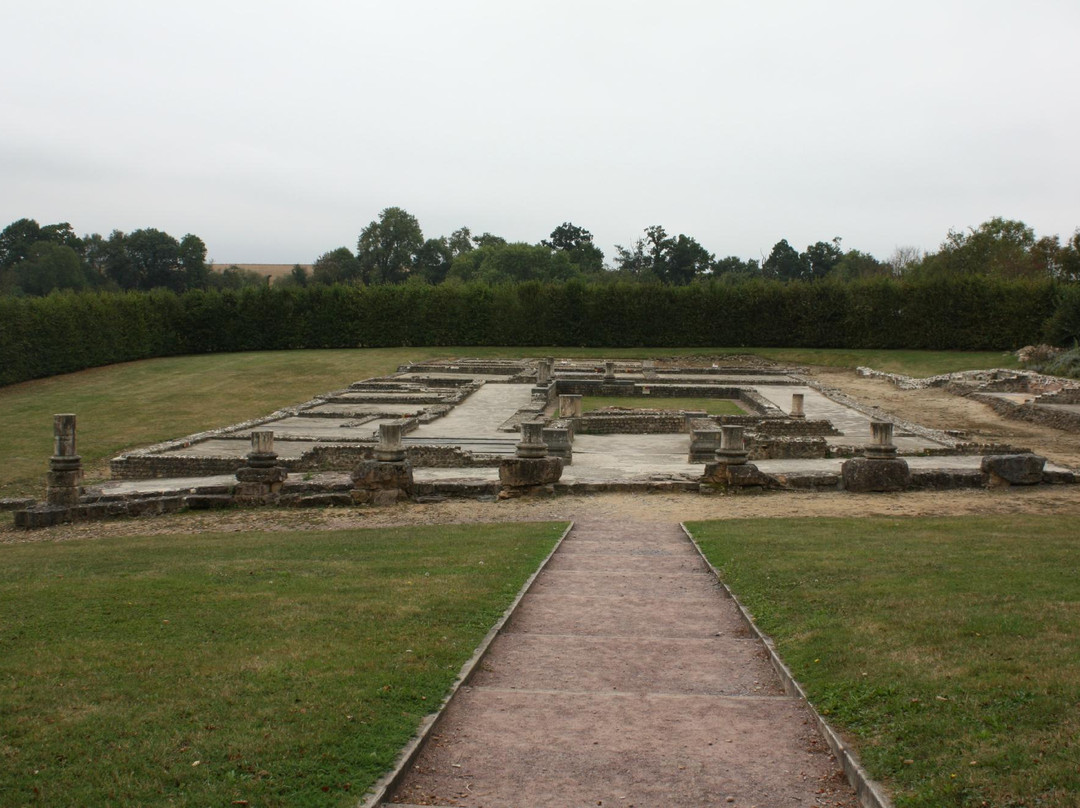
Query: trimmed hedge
{"x":67,"y":331}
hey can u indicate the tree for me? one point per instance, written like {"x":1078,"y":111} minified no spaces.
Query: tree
{"x":155,"y":257}
{"x":299,"y":275}
{"x":48,"y":266}
{"x":18,"y":237}
{"x":684,"y":260}
{"x":675,"y":260}
{"x":577,"y":243}
{"x":735,"y":268}
{"x":433,"y":260}
{"x":819,"y":259}
{"x":855,"y":265}
{"x":998,"y":247}
{"x":784,"y":262}
{"x":16,"y":240}
{"x":192,"y":259}
{"x":336,"y":266}
{"x":387,"y":248}
{"x":905,"y":259}
{"x":460,"y":241}
{"x":489,"y":240}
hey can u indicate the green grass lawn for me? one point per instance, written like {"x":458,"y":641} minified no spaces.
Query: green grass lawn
{"x":282,"y":669}
{"x":713,"y":406}
{"x":949,"y":649}
{"x":140,"y":403}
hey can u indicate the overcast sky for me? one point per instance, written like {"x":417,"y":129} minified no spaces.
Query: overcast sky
{"x":276,"y":131}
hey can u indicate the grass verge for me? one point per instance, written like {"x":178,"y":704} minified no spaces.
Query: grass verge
{"x":275,"y":668}
{"x":947,"y":648}
{"x":713,"y":406}
{"x":141,"y":403}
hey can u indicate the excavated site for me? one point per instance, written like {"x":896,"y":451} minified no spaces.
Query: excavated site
{"x":487,"y":429}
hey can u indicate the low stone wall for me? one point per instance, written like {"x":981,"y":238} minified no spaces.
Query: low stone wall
{"x":1044,"y":416}
{"x":763,"y":447}
{"x":320,"y":458}
{"x":1067,"y":395}
{"x":630,"y":423}
{"x":795,"y":427}
{"x":152,"y":467}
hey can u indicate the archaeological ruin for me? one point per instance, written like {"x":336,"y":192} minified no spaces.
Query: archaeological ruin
{"x":489,"y":429}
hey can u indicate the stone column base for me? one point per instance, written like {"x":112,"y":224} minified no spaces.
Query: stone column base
{"x":1014,"y":469}
{"x":742,"y":477}
{"x":377,"y":483}
{"x":864,"y":474}
{"x":529,"y":475}
{"x":259,"y":485}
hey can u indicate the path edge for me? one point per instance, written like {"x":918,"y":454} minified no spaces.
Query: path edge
{"x":377,"y":793}
{"x":870,"y":793}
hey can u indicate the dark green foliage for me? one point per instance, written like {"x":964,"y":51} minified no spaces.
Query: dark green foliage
{"x":66,"y":331}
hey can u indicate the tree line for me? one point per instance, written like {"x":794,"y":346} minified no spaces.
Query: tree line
{"x":38,"y":259}
{"x":392,"y":250}
{"x":59,"y":333}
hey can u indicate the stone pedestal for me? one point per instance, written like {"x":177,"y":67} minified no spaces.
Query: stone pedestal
{"x":704,"y":443}
{"x":730,"y":471}
{"x":609,"y":371}
{"x":880,"y":470}
{"x":261,"y":479}
{"x":559,"y":444}
{"x":732,"y":451}
{"x":382,"y":483}
{"x":543,"y":373}
{"x":797,"y":405}
{"x":569,"y":406}
{"x":389,"y":477}
{"x":532,"y":440}
{"x":865,"y":474}
{"x":64,"y":478}
{"x":881,"y":446}
{"x":520,"y":476}
{"x":531,"y":470}
{"x":1014,"y":469}
{"x":390,"y":449}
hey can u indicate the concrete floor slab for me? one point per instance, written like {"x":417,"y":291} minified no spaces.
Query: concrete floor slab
{"x":480,"y":414}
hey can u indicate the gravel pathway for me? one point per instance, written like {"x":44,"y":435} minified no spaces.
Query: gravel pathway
{"x":625,"y":678}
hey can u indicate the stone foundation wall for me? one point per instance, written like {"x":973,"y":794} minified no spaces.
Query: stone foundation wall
{"x":152,"y":467}
{"x":630,"y":424}
{"x":1058,"y":419}
{"x":795,"y":427}
{"x":320,"y":458}
{"x":1068,"y":395}
{"x":764,"y":447}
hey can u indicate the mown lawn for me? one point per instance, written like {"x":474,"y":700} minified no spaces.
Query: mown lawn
{"x":947,"y":648}
{"x":140,"y":403}
{"x":279,"y":669}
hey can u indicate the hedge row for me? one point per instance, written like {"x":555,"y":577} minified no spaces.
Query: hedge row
{"x":66,"y":332}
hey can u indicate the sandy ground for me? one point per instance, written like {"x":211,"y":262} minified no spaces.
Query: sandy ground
{"x":933,"y":408}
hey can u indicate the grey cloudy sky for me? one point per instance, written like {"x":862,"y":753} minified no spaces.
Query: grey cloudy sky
{"x":276,"y":131}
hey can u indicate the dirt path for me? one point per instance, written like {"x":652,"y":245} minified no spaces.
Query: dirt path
{"x":625,"y":678}
{"x":938,"y":409}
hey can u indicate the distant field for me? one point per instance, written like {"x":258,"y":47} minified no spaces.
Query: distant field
{"x":275,"y":271}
